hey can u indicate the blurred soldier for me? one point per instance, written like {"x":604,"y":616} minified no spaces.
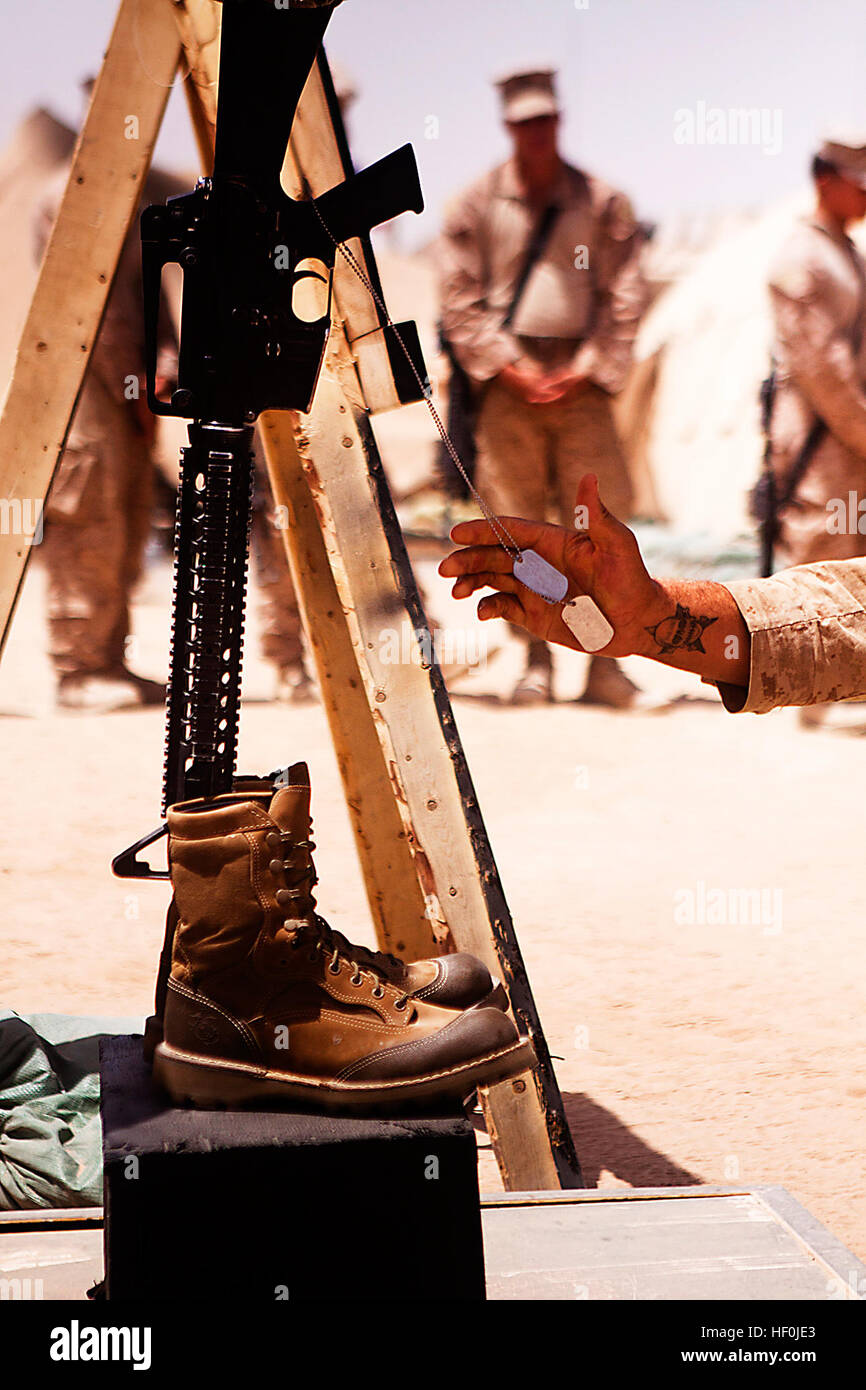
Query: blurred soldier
{"x":546,"y":349}
{"x":99,"y":507}
{"x":281,"y":633}
{"x":818,"y":420}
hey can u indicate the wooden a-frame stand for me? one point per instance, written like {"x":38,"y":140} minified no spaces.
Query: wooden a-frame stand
{"x":429,"y":873}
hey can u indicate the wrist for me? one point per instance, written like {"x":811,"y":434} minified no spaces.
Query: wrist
{"x":659,"y":605}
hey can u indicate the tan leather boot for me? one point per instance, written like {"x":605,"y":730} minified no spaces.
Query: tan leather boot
{"x":455,"y":981}
{"x":266,"y":1003}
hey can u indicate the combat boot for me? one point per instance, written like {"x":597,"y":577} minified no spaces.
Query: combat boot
{"x":454,"y":981}
{"x":265,"y":1003}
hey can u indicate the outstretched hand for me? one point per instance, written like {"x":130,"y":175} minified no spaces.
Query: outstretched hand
{"x":600,"y":558}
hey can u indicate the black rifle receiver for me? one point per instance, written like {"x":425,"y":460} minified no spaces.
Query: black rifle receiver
{"x":241,"y":242}
{"x":240,"y":239}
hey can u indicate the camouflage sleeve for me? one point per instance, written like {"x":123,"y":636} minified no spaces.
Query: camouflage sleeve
{"x":621,"y":297}
{"x":482,"y":346}
{"x":819,"y":356}
{"x":808,"y":629}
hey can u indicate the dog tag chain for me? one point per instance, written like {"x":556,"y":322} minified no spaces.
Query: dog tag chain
{"x":526,"y":565}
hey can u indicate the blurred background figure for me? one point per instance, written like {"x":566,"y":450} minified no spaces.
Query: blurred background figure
{"x":281,"y":633}
{"x":542,"y":294}
{"x":98,"y":512}
{"x":818,"y":422}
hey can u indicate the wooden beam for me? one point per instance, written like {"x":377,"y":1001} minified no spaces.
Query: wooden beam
{"x":383,"y":840}
{"x":101,"y":198}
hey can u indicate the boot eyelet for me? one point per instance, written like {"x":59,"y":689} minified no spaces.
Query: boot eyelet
{"x":276,"y":866}
{"x":400,"y":1005}
{"x":272,"y":839}
{"x":334,"y":969}
{"x":378,"y":992}
{"x":357,"y":983}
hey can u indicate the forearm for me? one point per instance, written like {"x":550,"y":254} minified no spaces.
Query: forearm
{"x":695,"y":625}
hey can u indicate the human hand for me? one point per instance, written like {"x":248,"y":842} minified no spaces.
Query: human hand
{"x":523,"y":382}
{"x":601,"y":559}
{"x":556,"y":388}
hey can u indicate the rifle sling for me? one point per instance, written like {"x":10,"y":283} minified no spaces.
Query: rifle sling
{"x":538,"y":241}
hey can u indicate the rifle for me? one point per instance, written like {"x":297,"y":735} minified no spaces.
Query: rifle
{"x":241,"y":242}
{"x":767,"y":500}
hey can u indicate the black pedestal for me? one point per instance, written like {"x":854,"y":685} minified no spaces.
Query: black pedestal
{"x":268,"y":1205}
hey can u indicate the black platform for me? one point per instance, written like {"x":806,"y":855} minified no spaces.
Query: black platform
{"x":269,"y":1205}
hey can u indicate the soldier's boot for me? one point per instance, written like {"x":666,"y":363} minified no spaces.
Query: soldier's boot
{"x":454,"y":981}
{"x":535,"y":686}
{"x":266,"y":1003}
{"x":101,"y":692}
{"x":154,"y":1025}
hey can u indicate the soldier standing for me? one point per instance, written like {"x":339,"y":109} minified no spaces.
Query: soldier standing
{"x":546,"y":349}
{"x":98,"y":511}
{"x":818,"y":293}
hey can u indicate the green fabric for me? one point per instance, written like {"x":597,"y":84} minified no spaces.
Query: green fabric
{"x":50,"y":1131}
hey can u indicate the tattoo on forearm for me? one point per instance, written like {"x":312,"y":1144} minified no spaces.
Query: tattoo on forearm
{"x":682,"y":631}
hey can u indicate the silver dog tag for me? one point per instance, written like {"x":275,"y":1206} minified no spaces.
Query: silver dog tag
{"x":540,"y":577}
{"x":584,"y":618}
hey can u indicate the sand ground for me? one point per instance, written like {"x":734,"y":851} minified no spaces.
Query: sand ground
{"x":688,"y":1051}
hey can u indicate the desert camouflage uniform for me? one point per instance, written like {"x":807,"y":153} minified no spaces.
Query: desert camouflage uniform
{"x":580,"y":306}
{"x":808,"y":627}
{"x":98,"y":509}
{"x":817,"y":292}
{"x":280,"y":627}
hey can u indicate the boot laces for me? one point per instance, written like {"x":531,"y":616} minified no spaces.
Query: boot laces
{"x":311,"y":924}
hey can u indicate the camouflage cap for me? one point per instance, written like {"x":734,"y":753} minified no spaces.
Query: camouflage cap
{"x":526,"y":95}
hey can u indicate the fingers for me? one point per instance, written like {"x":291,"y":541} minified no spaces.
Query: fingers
{"x":477,"y":559}
{"x":486,"y":579}
{"x":590,"y":513}
{"x":502,"y":606}
{"x":480,"y":532}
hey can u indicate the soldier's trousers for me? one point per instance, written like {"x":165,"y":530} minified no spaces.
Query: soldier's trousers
{"x":530,"y":457}
{"x":281,"y":631}
{"x":96,"y":524}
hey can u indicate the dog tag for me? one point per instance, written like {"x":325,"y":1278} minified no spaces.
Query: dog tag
{"x":584,"y":618}
{"x":540,"y":577}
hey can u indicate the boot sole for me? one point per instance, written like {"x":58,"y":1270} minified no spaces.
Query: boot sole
{"x":200,"y":1081}
{"x":153,"y":1029}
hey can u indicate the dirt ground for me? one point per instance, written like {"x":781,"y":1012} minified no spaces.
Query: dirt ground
{"x":692,"y":1046}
